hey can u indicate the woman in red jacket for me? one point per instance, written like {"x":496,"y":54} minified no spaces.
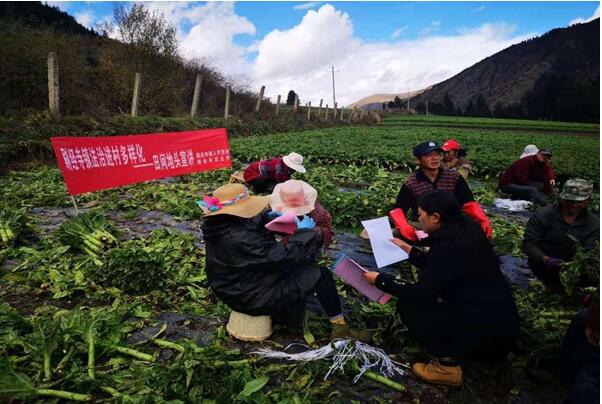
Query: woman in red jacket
{"x":528,"y":177}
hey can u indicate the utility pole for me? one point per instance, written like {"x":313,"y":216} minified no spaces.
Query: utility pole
{"x":334,"y":100}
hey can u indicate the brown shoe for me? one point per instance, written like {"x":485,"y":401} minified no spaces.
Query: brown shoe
{"x":437,"y":373}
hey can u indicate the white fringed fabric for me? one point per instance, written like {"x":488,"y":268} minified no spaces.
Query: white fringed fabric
{"x":342,"y":351}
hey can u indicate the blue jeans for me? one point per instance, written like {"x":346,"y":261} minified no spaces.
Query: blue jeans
{"x":530,"y":192}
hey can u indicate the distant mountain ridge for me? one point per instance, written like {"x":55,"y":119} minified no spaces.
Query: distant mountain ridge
{"x":36,"y":15}
{"x":384,"y":98}
{"x":554,"y":76}
{"x":96,"y":73}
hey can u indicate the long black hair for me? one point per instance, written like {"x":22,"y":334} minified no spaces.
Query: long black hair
{"x":442,"y":202}
{"x":458,"y":227}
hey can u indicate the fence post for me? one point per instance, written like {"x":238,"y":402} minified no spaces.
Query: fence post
{"x":227,"y":105}
{"x":195,"y":96}
{"x":334,"y":112}
{"x":309,"y":110}
{"x":295,"y":104}
{"x":53,"y":84}
{"x":320,"y":109}
{"x":278,"y":104}
{"x":427,"y":108}
{"x":136,"y":95}
{"x":342,"y":113}
{"x":259,"y":99}
{"x":326,"y":112}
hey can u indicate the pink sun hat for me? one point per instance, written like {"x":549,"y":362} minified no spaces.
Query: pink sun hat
{"x":294,"y":196}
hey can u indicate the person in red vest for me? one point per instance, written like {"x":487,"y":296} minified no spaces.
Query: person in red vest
{"x":528,"y":177}
{"x":431,"y":176}
{"x":263,"y":175}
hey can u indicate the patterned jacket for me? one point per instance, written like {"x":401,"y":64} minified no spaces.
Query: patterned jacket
{"x":418,"y":184}
{"x":323,"y":222}
{"x":274,"y":170}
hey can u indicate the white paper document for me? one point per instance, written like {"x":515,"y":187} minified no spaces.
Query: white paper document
{"x":385,"y":252}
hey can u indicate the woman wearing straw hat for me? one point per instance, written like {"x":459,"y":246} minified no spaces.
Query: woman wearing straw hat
{"x":256,"y":275}
{"x":263,"y":175}
{"x":301,"y":198}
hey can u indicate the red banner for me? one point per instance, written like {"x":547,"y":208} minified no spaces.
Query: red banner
{"x":94,"y":163}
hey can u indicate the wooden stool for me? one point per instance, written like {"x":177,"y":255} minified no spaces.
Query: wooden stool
{"x":249,"y":328}
{"x":237,"y":177}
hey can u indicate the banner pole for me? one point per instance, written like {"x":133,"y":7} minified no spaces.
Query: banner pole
{"x":75,"y":205}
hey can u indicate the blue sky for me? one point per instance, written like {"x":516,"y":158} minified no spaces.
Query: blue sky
{"x":376,"y":21}
{"x":376,"y":46}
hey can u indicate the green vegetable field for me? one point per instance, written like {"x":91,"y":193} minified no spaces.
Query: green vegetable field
{"x":113,"y":305}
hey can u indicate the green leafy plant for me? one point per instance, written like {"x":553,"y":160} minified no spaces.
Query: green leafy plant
{"x":584,"y":268}
{"x":88,"y":232}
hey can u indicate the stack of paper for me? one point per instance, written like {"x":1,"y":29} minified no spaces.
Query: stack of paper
{"x":353,"y":274}
{"x":287,"y":223}
{"x":385,"y":252}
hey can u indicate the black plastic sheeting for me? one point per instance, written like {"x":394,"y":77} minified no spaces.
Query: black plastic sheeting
{"x":516,"y":270}
{"x":179,"y":325}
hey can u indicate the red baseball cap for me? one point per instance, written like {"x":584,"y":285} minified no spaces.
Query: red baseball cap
{"x":451,"y":144}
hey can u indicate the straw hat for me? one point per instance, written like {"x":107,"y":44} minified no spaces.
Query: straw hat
{"x":233,"y":199}
{"x":294,"y":161}
{"x":294,"y":196}
{"x":530,"y":150}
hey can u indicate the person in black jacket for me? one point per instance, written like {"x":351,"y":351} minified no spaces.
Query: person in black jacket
{"x":461,"y":308}
{"x":253,"y":273}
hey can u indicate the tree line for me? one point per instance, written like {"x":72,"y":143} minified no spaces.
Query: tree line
{"x":554,"y":97}
{"x":97,"y":72}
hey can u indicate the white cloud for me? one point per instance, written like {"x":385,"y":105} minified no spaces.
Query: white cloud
{"x":307,"y":6}
{"x":397,"y":33}
{"x":213,"y":27}
{"x":300,"y":58}
{"x":584,"y":20}
{"x":61,"y":5}
{"x":85,"y":18}
{"x":434,"y":27}
{"x":323,"y":37}
{"x":478,"y":9}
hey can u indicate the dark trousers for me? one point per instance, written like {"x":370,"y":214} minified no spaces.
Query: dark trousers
{"x":549,"y":277}
{"x":327,"y":294}
{"x":440,"y":330}
{"x":532,"y":192}
{"x":262,"y":185}
{"x":575,"y":349}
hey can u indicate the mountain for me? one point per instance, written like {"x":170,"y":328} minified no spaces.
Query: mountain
{"x":36,"y":15}
{"x":379,"y":99}
{"x":555,"y":76}
{"x":96,"y":73}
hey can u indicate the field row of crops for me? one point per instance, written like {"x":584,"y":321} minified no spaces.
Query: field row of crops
{"x":488,"y":123}
{"x":91,"y":300}
{"x":391,"y":148}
